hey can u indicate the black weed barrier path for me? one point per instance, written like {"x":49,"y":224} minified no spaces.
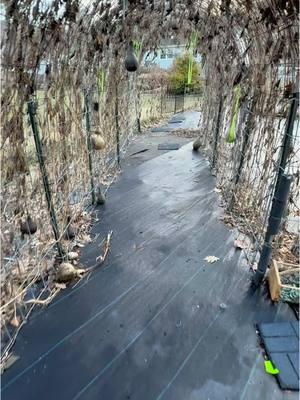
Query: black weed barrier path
{"x":148,"y":323}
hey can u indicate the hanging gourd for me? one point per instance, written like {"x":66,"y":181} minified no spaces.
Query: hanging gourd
{"x":70,"y":231}
{"x":235,"y":112}
{"x":174,"y":24}
{"x":28,"y":227}
{"x":131,"y":62}
{"x":100,"y":197}
{"x":190,"y":69}
{"x":97,"y":141}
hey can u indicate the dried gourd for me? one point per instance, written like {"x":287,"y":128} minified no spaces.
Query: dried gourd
{"x":131,"y":62}
{"x":28,"y":227}
{"x":97,"y":141}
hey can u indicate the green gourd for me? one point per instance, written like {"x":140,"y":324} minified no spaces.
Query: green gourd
{"x":236,"y":105}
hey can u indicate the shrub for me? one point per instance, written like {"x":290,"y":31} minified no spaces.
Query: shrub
{"x":178,"y":77}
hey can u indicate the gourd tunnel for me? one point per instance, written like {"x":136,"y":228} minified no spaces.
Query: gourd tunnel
{"x":72,"y":101}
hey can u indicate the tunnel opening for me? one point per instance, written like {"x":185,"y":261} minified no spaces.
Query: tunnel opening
{"x":69,"y":109}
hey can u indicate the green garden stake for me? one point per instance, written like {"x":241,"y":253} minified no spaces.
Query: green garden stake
{"x":101,"y":82}
{"x":190,"y":70}
{"x":89,"y":143}
{"x":192,"y":45}
{"x":117,"y":125}
{"x":137,"y":48}
{"x":236,"y":105}
{"x":270,"y":369}
{"x":32,"y":111}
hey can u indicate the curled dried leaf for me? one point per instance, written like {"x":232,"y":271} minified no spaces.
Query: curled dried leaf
{"x":211,"y":259}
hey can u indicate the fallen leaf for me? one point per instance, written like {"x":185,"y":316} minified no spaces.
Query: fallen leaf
{"x":102,"y":258}
{"x":136,"y":247}
{"x":86,"y":238}
{"x":211,"y":259}
{"x":240,"y":245}
{"x":72,"y":255}
{"x":60,"y":285}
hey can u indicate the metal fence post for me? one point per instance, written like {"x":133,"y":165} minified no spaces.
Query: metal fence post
{"x":280,"y":200}
{"x":281,"y":194}
{"x":161,"y":98}
{"x":213,"y":163}
{"x":246,"y":136}
{"x":32,"y":106}
{"x":288,"y":136}
{"x":89,"y":143}
{"x":117,"y":125}
{"x":138,"y":111}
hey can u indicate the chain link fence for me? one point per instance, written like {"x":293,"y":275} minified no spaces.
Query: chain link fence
{"x":159,"y":103}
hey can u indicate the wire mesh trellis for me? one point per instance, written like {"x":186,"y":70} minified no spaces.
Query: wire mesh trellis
{"x":248,"y":169}
{"x":75,"y":172}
